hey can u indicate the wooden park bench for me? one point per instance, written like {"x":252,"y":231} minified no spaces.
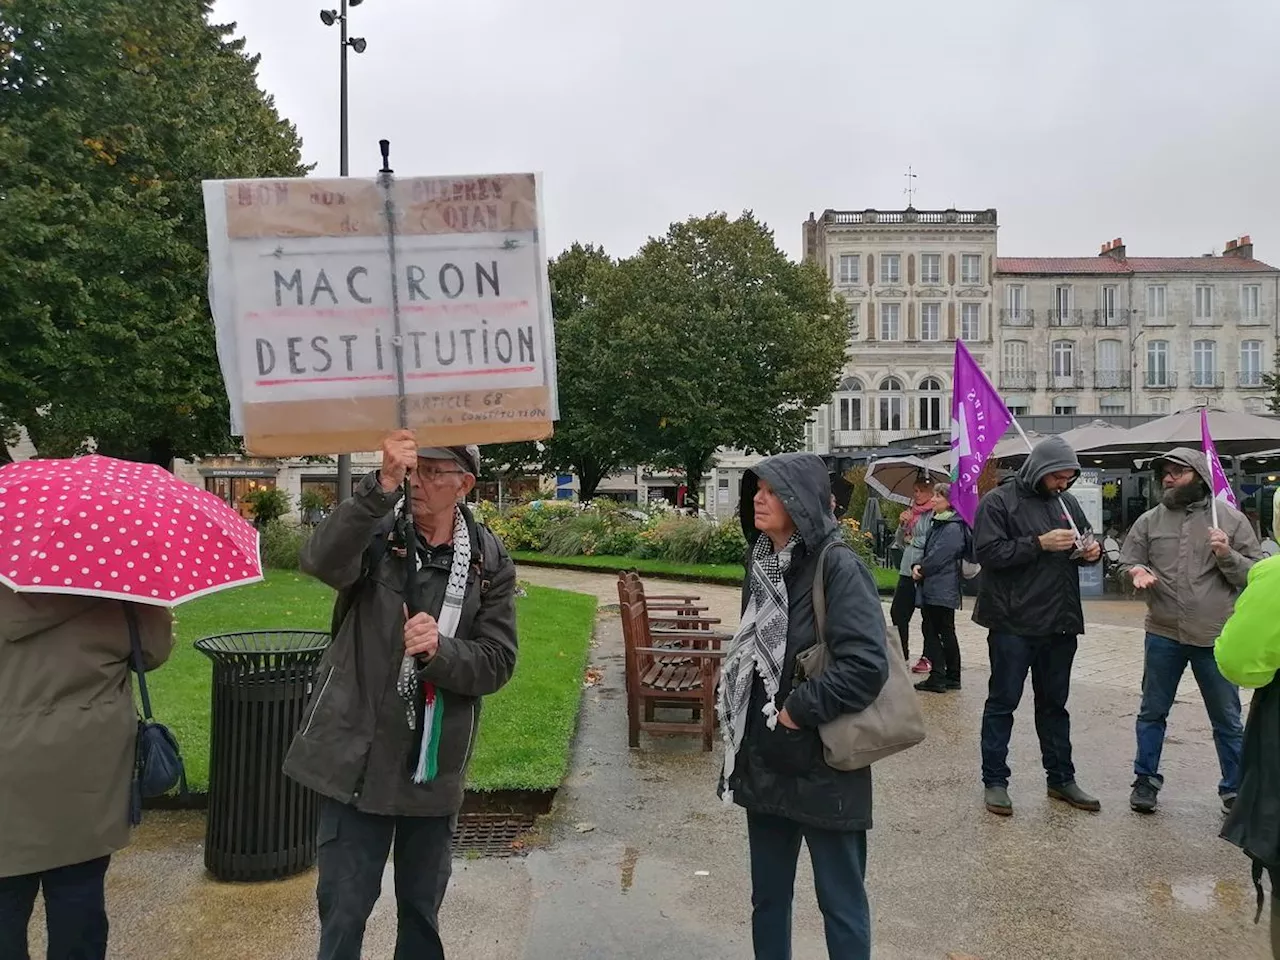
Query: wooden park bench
{"x":669,"y":669}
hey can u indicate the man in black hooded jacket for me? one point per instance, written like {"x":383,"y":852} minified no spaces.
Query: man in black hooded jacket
{"x":1029,"y":601}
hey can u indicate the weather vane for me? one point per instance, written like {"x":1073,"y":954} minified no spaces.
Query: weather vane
{"x":910,"y":189}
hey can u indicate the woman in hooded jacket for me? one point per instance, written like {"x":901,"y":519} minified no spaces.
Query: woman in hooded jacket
{"x":774,"y":763}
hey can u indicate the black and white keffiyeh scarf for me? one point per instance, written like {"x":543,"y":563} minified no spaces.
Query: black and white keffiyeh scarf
{"x":414,"y":691}
{"x":759,"y":647}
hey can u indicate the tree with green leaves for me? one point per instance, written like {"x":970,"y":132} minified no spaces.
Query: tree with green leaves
{"x":728,"y":343}
{"x":1272,"y":383}
{"x":111,"y":113}
{"x":596,"y":434}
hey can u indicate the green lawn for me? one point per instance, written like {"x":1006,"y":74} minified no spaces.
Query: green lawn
{"x":730,"y":573}
{"x":527,"y":727}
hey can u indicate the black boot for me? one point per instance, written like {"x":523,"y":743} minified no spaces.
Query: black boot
{"x":934,"y":683}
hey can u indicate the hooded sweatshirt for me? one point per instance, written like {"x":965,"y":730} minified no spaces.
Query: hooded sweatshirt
{"x":1195,"y":590}
{"x":1026,"y":590}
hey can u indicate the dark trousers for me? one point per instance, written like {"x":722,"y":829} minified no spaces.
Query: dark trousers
{"x":352,"y":857}
{"x":75,"y":908}
{"x":1163,"y":667}
{"x":901,"y":610}
{"x":1049,"y":659}
{"x":941,"y":645}
{"x":839,"y":868}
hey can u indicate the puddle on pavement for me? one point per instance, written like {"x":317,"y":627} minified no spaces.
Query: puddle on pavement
{"x":629,"y":857}
{"x":1201,"y":894}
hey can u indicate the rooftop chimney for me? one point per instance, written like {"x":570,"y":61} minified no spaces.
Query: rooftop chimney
{"x":1242,"y":248}
{"x":1113,"y":249}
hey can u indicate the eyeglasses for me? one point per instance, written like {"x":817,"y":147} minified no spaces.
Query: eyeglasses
{"x":1176,"y":470}
{"x":437,"y":476}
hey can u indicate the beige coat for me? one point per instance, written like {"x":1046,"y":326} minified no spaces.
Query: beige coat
{"x":68,"y":726}
{"x":1195,"y":591}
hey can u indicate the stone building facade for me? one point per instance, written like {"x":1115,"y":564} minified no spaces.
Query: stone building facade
{"x":1101,"y":336}
{"x":1115,"y":334}
{"x":914,"y":281}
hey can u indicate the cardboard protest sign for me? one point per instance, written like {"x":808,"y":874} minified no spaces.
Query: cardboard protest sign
{"x":306,"y":290}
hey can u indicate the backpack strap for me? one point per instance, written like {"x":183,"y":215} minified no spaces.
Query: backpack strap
{"x":820,"y":586}
{"x":373,"y":554}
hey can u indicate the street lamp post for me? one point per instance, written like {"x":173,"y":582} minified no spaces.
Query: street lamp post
{"x":329,"y":18}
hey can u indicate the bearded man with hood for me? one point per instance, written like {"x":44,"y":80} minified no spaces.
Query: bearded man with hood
{"x":1190,"y":573}
{"x":1029,"y":601}
{"x":769,"y":718}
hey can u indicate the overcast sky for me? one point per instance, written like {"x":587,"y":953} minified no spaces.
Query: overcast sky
{"x":1079,"y":120}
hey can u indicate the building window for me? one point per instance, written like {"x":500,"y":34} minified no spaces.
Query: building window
{"x":890,"y":318}
{"x":1156,"y":301}
{"x":930,"y":321}
{"x":855,"y":317}
{"x":1158,"y":363}
{"x":1062,"y":301}
{"x":1064,"y":359}
{"x":971,"y":268}
{"x":849,"y":263}
{"x":1019,"y":409}
{"x":890,"y":267}
{"x":849,"y":404}
{"x":1204,"y":304}
{"x":930,"y":404}
{"x":1204,"y":366}
{"x":1159,"y":404}
{"x":233,"y":490}
{"x":971,"y":321}
{"x":931,"y":268}
{"x":1250,"y":363}
{"x":1112,"y":406}
{"x":1250,"y":296}
{"x":1107,"y":305}
{"x":1015,"y":356}
{"x":1064,"y":407}
{"x":1016,"y":300}
{"x":1110,"y":369}
{"x":1255,"y":405}
{"x":890,"y":404}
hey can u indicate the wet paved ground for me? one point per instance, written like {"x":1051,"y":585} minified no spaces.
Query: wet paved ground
{"x":642,"y":860}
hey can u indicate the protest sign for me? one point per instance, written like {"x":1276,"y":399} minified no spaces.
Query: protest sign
{"x":307,"y":289}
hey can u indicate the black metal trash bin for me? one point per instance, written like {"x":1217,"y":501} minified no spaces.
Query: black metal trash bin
{"x":261,"y":825}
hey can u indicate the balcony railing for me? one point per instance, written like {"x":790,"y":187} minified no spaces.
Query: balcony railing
{"x":1016,"y":318}
{"x":1066,"y":381}
{"x":1160,"y":380}
{"x":1249,"y":379}
{"x":1111,"y":318}
{"x":1207,"y":379}
{"x":1111,"y":379}
{"x":1017,"y":380}
{"x":1066,"y":318}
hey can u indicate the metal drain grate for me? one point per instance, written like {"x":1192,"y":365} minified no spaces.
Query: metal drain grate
{"x":492,"y":834}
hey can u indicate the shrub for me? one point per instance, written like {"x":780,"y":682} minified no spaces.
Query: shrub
{"x":282,"y":544}
{"x":268,"y":503}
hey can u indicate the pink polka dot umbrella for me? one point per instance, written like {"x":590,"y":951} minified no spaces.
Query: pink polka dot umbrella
{"x":95,"y":526}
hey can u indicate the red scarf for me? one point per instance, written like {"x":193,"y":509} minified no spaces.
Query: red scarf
{"x":916,"y":511}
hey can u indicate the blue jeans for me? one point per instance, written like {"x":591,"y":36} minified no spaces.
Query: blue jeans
{"x":1049,"y":659}
{"x":839,"y":867}
{"x":1163,"y":667}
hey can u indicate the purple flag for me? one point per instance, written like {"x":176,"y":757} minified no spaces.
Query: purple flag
{"x":979,"y":419}
{"x":1221,"y":488}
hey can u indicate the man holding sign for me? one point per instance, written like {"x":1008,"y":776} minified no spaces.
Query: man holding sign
{"x":1190,"y":556}
{"x":391,"y":726}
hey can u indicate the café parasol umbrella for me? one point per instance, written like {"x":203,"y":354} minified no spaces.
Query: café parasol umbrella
{"x":895,"y":477}
{"x":1234,"y":434}
{"x":100,"y":527}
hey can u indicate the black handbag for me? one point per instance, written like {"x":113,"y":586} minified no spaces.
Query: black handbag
{"x":158,"y":766}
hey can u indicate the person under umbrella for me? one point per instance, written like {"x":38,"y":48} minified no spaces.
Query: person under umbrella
{"x":938,"y":578}
{"x":90,"y":544}
{"x":913,"y":531}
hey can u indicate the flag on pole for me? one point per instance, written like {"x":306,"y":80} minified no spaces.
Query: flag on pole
{"x":1221,"y":487}
{"x":979,"y":418}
